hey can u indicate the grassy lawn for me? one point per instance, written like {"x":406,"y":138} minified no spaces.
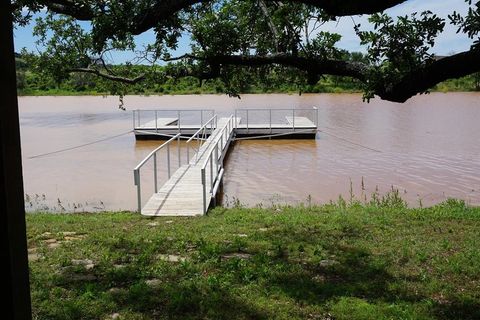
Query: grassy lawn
{"x":337,"y":261}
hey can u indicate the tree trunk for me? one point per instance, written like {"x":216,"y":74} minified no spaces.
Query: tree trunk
{"x":14,"y":278}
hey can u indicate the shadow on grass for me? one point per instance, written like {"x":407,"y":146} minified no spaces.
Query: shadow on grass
{"x":136,"y":299}
{"x":355,"y":276}
{"x":210,"y":286}
{"x":467,"y":310}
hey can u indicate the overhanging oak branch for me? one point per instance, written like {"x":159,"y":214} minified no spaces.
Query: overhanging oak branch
{"x":399,"y":90}
{"x":422,"y":79}
{"x":163,"y":9}
{"x":310,"y":65}
{"x":109,"y":76}
{"x":351,"y":7}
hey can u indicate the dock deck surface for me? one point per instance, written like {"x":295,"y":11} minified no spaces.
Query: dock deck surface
{"x":169,"y":126}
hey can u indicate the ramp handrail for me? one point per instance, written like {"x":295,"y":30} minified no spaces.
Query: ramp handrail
{"x":203,"y":129}
{"x":136,"y":171}
{"x":216,"y":159}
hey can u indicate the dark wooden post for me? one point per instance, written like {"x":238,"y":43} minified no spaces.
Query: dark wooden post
{"x":14,"y":277}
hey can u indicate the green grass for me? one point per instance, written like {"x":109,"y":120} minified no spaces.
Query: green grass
{"x":379,"y":260}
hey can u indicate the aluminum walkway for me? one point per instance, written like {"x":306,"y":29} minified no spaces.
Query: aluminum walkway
{"x":190,"y":190}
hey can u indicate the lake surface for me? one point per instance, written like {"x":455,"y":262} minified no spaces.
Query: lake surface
{"x":79,"y":153}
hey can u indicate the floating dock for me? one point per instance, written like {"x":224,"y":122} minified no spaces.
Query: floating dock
{"x":269,"y":123}
{"x":193,"y":187}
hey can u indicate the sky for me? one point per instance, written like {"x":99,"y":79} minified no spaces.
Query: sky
{"x":447,"y":43}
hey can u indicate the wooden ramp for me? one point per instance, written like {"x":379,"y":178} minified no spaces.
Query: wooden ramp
{"x":186,"y":193}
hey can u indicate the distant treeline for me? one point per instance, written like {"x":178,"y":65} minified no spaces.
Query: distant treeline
{"x":31,"y":81}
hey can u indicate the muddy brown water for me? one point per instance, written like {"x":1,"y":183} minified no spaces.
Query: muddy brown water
{"x":427,"y":148}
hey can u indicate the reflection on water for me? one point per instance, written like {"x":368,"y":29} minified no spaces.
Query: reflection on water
{"x":428,"y":148}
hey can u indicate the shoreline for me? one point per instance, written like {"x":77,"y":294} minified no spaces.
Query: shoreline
{"x":92,"y":94}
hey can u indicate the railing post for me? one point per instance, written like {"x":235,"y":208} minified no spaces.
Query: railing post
{"x":136,"y":171}
{"x":216,"y":159}
{"x":247,"y":120}
{"x":136,"y":178}
{"x":211,"y":173}
{"x":204,"y":187}
{"x":178,"y":116}
{"x":199,"y":142}
{"x":270,"y":121}
{"x":156,"y":122}
{"x":293,"y":119}
{"x":178,"y":147}
{"x":155,"y":172}
{"x":236,"y":119}
{"x":138,"y":117}
{"x":133,"y":113}
{"x":168,"y":159}
{"x":201,"y":118}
